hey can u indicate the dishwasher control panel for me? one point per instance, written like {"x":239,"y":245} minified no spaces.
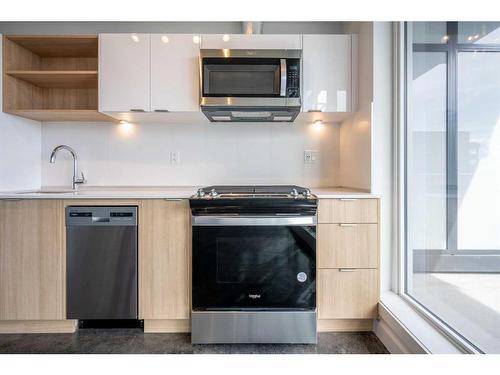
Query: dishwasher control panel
{"x":100,"y":215}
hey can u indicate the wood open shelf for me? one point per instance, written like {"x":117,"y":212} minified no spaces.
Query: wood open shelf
{"x":70,"y":79}
{"x":51,"y":78}
{"x":58,"y":45}
{"x":62,"y":115}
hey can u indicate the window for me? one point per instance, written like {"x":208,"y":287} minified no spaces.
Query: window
{"x":452,"y":176}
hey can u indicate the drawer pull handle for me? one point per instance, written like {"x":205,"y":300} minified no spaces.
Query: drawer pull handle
{"x":348,"y":225}
{"x":347,"y":269}
{"x":348,"y":199}
{"x":173,"y":199}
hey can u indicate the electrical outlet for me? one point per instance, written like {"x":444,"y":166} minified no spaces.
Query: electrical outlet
{"x":311,"y":156}
{"x":175,"y":157}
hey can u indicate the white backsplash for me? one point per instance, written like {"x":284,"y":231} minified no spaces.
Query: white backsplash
{"x":234,"y":153}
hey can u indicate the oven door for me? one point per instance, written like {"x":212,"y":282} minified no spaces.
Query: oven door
{"x":252,"y":263}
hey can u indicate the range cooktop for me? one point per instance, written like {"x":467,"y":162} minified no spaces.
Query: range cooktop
{"x":253,"y":200}
{"x":253,"y":191}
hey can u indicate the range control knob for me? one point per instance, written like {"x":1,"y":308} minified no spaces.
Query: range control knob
{"x":213,"y":193}
{"x":294,"y":193}
{"x":307,"y":193}
{"x":200,"y":193}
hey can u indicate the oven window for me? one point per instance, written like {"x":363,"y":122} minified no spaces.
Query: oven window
{"x":250,"y":260}
{"x":241,"y":77}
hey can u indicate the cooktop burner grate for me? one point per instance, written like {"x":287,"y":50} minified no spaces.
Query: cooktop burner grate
{"x":253,"y":191}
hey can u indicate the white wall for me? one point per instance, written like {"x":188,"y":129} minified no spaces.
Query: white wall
{"x":235,"y":153}
{"x":20,"y":141}
{"x":382,"y":143}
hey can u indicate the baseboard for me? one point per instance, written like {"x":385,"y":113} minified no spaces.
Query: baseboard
{"x":344,"y":325}
{"x":38,"y":326}
{"x":394,"y":335}
{"x":167,"y":325}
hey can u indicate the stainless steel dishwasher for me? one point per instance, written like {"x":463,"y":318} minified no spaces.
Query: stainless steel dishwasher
{"x":101,"y":262}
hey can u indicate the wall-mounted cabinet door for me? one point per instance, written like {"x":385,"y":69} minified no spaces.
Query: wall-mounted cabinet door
{"x":32,"y":260}
{"x":328,"y":79}
{"x":124,"y":72}
{"x":243,"y":41}
{"x":175,"y":72}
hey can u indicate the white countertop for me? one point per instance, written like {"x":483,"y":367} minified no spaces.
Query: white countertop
{"x":150,"y":192}
{"x":339,"y":192}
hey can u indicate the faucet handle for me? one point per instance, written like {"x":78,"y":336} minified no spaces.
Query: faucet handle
{"x":81,"y":180}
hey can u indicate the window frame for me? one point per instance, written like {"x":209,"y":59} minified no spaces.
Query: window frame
{"x":452,"y":48}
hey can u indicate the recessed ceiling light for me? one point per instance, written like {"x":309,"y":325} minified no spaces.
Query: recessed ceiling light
{"x":226,"y":37}
{"x":164,"y":39}
{"x":135,"y":38}
{"x":196,"y":39}
{"x":318,"y":124}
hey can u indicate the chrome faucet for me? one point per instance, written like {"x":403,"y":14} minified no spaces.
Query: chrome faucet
{"x":76,"y":180}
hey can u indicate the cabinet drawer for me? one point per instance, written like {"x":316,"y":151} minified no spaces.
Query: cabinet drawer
{"x":348,"y":211}
{"x":347,"y":245}
{"x":347,"y":293}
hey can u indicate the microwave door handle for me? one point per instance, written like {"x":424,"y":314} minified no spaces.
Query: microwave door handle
{"x":283,"y":77}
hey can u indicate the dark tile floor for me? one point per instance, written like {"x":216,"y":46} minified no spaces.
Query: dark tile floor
{"x":134,"y":341}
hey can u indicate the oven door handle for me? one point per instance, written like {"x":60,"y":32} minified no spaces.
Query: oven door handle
{"x":253,"y":220}
{"x":283,"y":77}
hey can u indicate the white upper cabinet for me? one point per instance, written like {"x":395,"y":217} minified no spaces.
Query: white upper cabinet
{"x":254,"y":41}
{"x":124,"y":72}
{"x":175,"y":72}
{"x":328,"y":75}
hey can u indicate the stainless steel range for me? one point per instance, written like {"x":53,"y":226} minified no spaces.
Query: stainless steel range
{"x":254,"y":265}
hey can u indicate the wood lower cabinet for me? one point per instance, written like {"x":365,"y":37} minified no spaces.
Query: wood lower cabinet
{"x":32,"y":260}
{"x":164,"y":261}
{"x":32,"y":264}
{"x":347,"y":246}
{"x":347,"y":293}
{"x":348,"y":264}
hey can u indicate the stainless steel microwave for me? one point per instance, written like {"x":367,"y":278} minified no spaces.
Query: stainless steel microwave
{"x":250,"y":85}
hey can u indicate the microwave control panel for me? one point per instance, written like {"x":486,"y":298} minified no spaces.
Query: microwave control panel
{"x":293,"y":78}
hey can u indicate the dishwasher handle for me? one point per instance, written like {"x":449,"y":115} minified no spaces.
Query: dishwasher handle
{"x":98,"y":219}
